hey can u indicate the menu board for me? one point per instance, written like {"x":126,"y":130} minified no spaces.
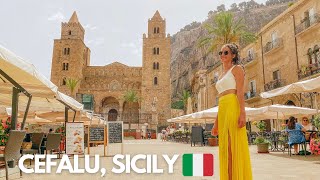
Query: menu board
{"x":115,"y":132}
{"x":74,"y":138}
{"x":96,"y":133}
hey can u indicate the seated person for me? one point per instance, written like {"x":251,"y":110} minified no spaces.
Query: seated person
{"x":295,"y":133}
{"x":309,"y":127}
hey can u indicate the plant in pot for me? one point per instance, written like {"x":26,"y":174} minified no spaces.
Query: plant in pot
{"x":4,"y":133}
{"x":261,"y":142}
{"x":212,"y":140}
{"x":315,"y":142}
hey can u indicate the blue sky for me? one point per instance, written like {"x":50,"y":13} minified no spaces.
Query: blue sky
{"x":114,"y":28}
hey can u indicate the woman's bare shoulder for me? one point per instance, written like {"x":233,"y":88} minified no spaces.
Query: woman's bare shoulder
{"x":238,"y":70}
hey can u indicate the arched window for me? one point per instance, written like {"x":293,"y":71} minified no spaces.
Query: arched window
{"x":158,"y":30}
{"x":65,"y":66}
{"x":66,"y":51}
{"x":155,"y":30}
{"x":156,"y":50}
{"x":317,"y":53}
{"x":69,"y":32}
{"x":154,"y":66}
{"x":64,"y":81}
{"x":310,"y":56}
{"x":155,"y":81}
{"x":157,"y":65}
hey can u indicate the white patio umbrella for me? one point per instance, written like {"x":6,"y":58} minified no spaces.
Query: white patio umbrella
{"x":278,"y":111}
{"x":213,"y":112}
{"x":19,"y":73}
{"x":209,"y":115}
{"x":310,"y":85}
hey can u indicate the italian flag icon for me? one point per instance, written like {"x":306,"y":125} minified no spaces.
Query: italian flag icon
{"x":197,"y":164}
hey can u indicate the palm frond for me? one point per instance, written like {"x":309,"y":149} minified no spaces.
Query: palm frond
{"x":225,"y":29}
{"x":72,"y":84}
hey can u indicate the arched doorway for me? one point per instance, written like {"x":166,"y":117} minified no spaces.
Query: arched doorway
{"x":290,"y":103}
{"x":110,"y":108}
{"x":112,"y":115}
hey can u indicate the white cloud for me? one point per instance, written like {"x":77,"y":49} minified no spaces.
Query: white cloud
{"x":137,"y":51}
{"x":128,"y":45}
{"x":90,"y":27}
{"x":58,"y":16}
{"x":134,"y":47}
{"x":96,"y":42}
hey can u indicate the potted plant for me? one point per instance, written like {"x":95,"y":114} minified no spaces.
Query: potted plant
{"x":4,"y":133}
{"x":212,"y":140}
{"x":315,"y":142}
{"x":261,"y":142}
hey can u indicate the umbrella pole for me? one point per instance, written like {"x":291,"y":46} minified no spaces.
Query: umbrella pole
{"x":26,"y":113}
{"x":74,"y":116}
{"x":14,"y":111}
{"x":315,"y":102}
{"x":66,"y":115}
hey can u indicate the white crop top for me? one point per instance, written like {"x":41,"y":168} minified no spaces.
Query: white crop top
{"x":226,"y":82}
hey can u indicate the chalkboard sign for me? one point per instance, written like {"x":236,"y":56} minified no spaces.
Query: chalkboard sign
{"x":115,"y":132}
{"x":96,"y":134}
{"x":197,"y":135}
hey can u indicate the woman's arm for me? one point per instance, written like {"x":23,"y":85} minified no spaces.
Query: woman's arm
{"x":239,"y":77}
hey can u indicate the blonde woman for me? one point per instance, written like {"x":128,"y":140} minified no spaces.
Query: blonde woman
{"x":230,"y":123}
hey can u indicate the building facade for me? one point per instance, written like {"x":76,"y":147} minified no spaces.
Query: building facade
{"x":102,"y":88}
{"x":286,"y":51}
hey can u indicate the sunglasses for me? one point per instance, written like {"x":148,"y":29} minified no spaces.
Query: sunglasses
{"x":305,"y":120}
{"x":224,"y":52}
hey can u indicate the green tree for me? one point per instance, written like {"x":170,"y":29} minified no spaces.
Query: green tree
{"x":131,"y":97}
{"x":184,"y":98}
{"x":225,"y":29}
{"x":177,"y":105}
{"x":72,"y":84}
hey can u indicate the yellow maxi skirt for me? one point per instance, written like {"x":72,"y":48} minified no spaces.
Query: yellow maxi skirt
{"x":228,"y":114}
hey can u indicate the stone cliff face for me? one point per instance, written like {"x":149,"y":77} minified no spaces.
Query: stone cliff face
{"x":187,"y":57}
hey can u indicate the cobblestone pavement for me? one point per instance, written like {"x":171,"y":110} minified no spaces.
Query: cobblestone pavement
{"x":277,"y":166}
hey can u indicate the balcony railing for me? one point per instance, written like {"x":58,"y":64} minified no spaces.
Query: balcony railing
{"x":306,"y":71}
{"x":272,"y":45}
{"x":250,"y":94}
{"x":249,"y":58}
{"x":307,"y":22}
{"x":274,"y":84}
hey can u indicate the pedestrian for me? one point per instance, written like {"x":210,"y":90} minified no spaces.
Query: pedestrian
{"x":163,"y":134}
{"x":231,"y":119}
{"x":149,"y":135}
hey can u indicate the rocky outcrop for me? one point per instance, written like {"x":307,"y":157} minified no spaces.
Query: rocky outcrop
{"x":187,"y":57}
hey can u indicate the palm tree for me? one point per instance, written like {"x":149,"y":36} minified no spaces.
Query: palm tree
{"x":225,"y":29}
{"x":184,"y":98}
{"x":131,"y":97}
{"x":71,"y":84}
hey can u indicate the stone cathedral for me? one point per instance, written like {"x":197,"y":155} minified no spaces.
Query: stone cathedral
{"x":102,"y":88}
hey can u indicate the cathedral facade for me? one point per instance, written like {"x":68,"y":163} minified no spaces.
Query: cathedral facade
{"x":102,"y":88}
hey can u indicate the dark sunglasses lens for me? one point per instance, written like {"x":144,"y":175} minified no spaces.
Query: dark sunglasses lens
{"x":220,"y":53}
{"x":226,"y":52}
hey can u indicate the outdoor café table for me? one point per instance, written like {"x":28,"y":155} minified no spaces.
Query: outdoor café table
{"x":274,"y":138}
